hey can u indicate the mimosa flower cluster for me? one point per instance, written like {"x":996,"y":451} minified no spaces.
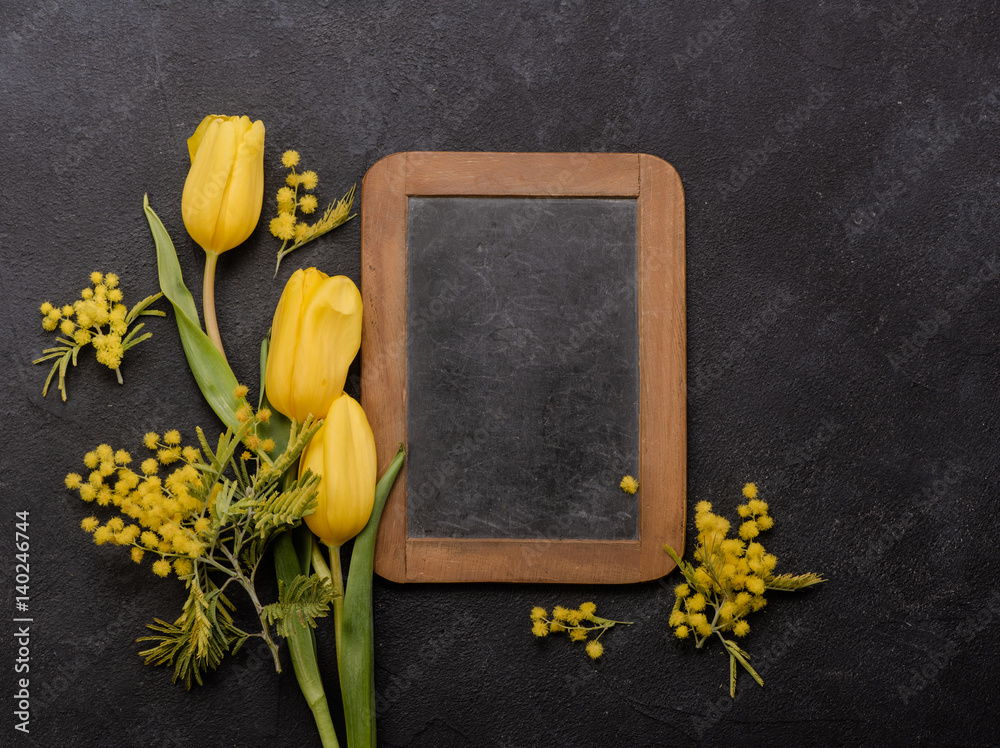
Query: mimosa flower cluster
{"x":287,"y":226}
{"x":99,"y":318}
{"x":204,"y":513}
{"x":578,"y":624}
{"x":629,"y":484}
{"x":730,"y":581}
{"x":170,"y":515}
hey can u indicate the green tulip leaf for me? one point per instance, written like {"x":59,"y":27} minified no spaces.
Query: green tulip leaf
{"x":357,"y":652}
{"x":211,"y":370}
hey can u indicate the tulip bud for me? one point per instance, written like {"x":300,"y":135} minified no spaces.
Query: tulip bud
{"x":315,"y":335}
{"x":224,"y":190}
{"x":342,"y":453}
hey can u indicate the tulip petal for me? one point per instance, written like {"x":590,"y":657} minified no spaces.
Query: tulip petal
{"x":342,"y":453}
{"x":312,"y":459}
{"x":206,"y":182}
{"x":240,"y":207}
{"x":224,"y":190}
{"x":281,"y":352}
{"x":349,"y":469}
{"x":315,"y":335}
{"x":199,"y":134}
{"x":329,"y":340}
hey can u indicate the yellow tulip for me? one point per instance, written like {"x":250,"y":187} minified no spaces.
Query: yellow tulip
{"x":315,"y":335}
{"x":342,"y":453}
{"x":224,"y":190}
{"x":223,"y":194}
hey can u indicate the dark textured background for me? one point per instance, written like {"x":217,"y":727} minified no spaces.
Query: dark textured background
{"x":842,"y":178}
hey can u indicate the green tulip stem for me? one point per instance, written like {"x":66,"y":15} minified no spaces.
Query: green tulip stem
{"x":319,"y":561}
{"x":336,"y":577}
{"x":302,"y":647}
{"x":338,"y":600}
{"x":208,"y":301}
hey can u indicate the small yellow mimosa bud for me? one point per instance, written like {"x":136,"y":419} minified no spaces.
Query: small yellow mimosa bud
{"x":224,"y":190}
{"x":342,"y":453}
{"x":315,"y":335}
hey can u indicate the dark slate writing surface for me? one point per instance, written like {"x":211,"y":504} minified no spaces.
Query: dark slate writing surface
{"x":522,"y":367}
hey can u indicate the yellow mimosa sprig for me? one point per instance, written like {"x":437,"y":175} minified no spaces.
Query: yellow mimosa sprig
{"x":286,"y":226}
{"x":730,"y":581}
{"x":578,"y":624}
{"x":99,"y":318}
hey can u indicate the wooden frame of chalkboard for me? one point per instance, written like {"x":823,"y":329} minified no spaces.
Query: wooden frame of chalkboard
{"x":656,"y":187}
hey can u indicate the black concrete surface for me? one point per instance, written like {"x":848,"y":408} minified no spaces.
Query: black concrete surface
{"x":841,"y":169}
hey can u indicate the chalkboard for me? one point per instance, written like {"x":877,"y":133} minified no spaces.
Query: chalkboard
{"x":524,"y":336}
{"x":522,"y":367}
